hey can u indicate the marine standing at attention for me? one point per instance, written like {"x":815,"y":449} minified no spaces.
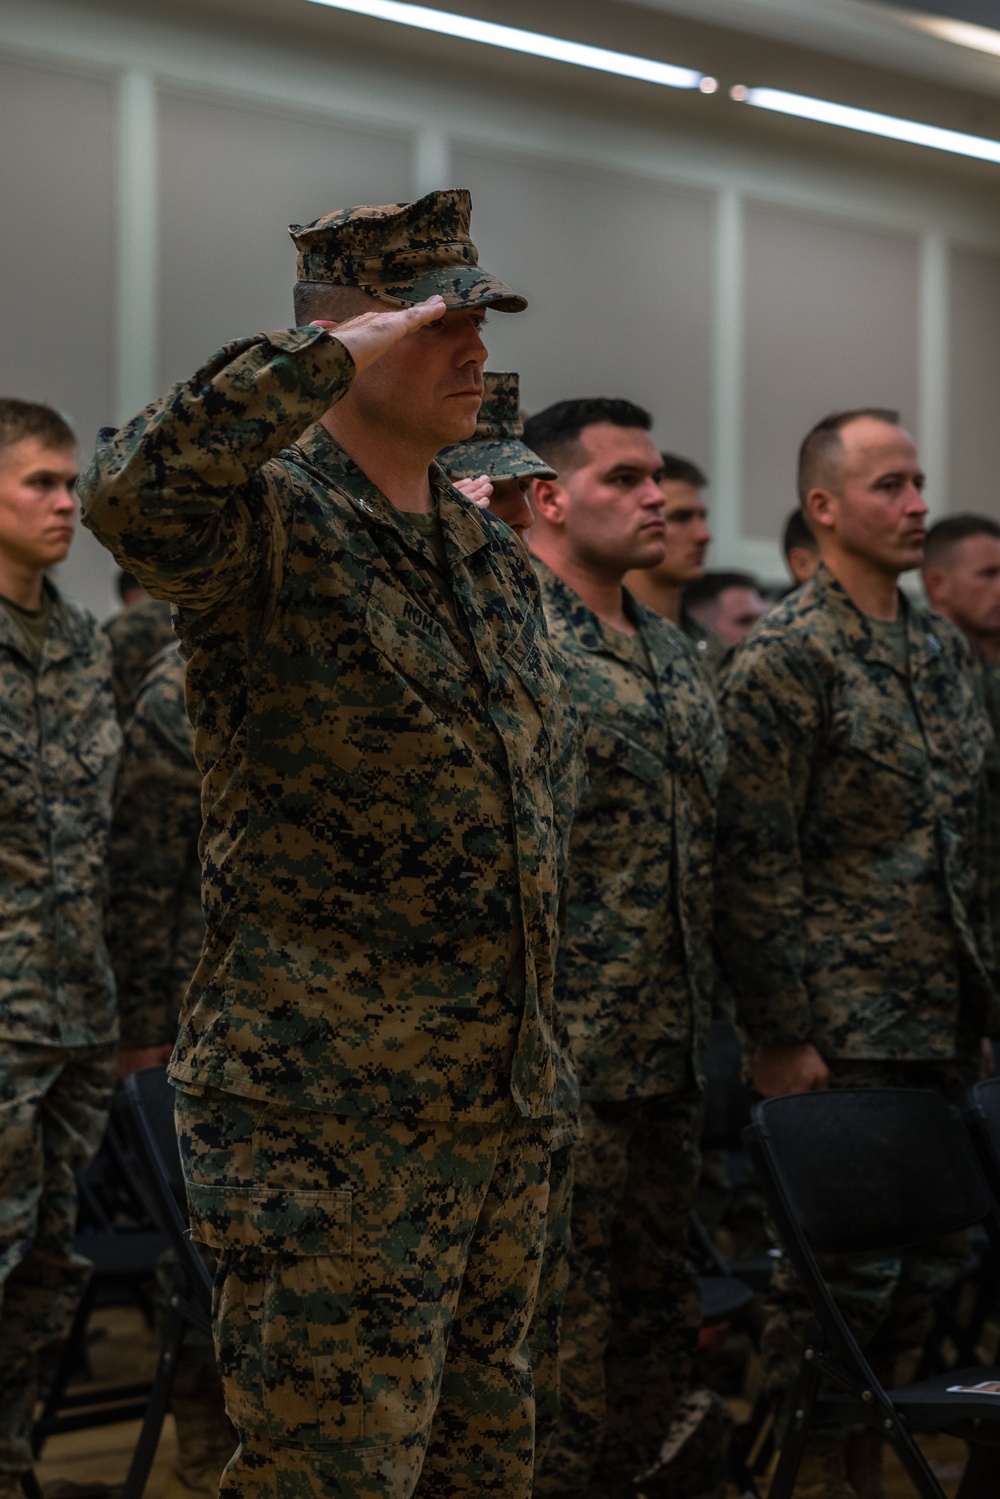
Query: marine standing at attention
{"x":496,"y":468}
{"x":849,"y":871}
{"x":59,"y":743}
{"x":366,"y":1065}
{"x":634,"y":971}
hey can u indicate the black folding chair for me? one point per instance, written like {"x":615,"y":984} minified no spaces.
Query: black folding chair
{"x":149,"y":1120}
{"x":866,"y":1172}
{"x":115,"y":1232}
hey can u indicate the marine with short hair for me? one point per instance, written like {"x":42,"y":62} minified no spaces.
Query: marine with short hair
{"x":366,"y":1065}
{"x":848,"y":878}
{"x":59,"y":744}
{"x":687,"y":539}
{"x":961,"y":574}
{"x":495,"y":469}
{"x":634,"y":975}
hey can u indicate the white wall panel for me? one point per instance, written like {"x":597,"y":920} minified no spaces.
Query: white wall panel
{"x":57,"y":266}
{"x":974,"y":397}
{"x":618,"y":274}
{"x":831,"y":322}
{"x":231,"y":180}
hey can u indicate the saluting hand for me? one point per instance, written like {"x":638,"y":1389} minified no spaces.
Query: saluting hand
{"x":372,"y":334}
{"x":478,"y":490}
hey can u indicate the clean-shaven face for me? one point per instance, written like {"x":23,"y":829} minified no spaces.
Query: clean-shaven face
{"x":37,"y":502}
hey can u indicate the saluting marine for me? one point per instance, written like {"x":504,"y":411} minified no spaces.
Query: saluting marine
{"x":366,"y":1065}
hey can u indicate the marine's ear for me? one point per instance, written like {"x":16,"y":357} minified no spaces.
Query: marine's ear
{"x":548,"y":501}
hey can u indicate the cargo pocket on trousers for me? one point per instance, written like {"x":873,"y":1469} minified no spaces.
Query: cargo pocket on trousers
{"x":286,"y":1313}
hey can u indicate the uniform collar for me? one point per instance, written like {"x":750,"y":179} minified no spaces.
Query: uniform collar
{"x":463,"y":528}
{"x":592,"y":634}
{"x":924,"y":645}
{"x":66,"y":636}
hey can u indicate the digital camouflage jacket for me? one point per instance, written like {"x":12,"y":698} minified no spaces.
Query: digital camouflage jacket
{"x":379,"y":848}
{"x":59,"y":744}
{"x":136,"y":635}
{"x":155,"y":925}
{"x":849,"y":878}
{"x":635,"y":971}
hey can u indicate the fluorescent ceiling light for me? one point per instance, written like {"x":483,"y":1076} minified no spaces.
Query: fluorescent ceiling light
{"x":962,"y":33}
{"x":979,"y":146}
{"x":445,"y":23}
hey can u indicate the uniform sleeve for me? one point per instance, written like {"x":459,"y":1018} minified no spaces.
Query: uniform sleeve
{"x":772,"y":709}
{"x":178,"y":495}
{"x":154,"y":914}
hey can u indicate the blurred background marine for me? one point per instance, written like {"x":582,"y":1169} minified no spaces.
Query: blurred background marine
{"x":59,"y":744}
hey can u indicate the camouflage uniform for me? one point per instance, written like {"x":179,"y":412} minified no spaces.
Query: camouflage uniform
{"x":366,"y":1055}
{"x":59,"y":742}
{"x":155,"y":925}
{"x":137,"y":635}
{"x":848,"y":880}
{"x":990,"y":687}
{"x":709,"y":647}
{"x":634,"y":980}
{"x":497,"y":450}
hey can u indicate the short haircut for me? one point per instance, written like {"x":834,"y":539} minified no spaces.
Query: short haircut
{"x":125,"y":583}
{"x":553,"y":433}
{"x":334,"y":304}
{"x":822,"y":446}
{"x":20,"y":419}
{"x":683,"y":471}
{"x":706,"y":590}
{"x":945,"y":534}
{"x":798,"y":533}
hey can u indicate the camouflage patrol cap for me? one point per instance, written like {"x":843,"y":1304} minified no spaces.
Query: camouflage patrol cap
{"x":403,"y":253}
{"x":495,"y":448}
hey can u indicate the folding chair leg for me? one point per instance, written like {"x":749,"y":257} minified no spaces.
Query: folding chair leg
{"x":916,"y":1465}
{"x":29,"y":1483}
{"x":793,"y":1438}
{"x":73,"y":1348}
{"x":172,"y":1339}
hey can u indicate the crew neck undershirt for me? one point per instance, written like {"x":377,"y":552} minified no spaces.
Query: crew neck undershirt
{"x":428,"y":523}
{"x":32,"y":624}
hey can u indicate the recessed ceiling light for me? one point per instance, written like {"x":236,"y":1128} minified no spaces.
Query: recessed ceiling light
{"x":446,"y":23}
{"x":981,"y":147}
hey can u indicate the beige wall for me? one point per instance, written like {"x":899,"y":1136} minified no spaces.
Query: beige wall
{"x":738,"y":287}
{"x":974,"y":390}
{"x":832,"y":314}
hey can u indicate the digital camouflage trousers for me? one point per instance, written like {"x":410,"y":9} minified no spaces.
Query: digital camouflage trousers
{"x":632,"y":1314}
{"x":376,"y":1279}
{"x":54,"y":1106}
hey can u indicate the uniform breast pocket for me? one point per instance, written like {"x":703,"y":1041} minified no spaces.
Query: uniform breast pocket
{"x":415,"y":645}
{"x":615,"y":751}
{"x":966,"y":744}
{"x":96,"y":753}
{"x":883,"y":742}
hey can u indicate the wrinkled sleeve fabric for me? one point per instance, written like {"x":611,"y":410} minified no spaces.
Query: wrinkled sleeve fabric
{"x":180,"y":495}
{"x":772,"y":709}
{"x":154,"y":925}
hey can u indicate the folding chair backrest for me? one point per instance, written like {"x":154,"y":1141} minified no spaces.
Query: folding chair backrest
{"x":867,"y":1170}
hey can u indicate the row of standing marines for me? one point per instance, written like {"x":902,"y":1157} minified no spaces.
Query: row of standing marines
{"x":471,"y":835}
